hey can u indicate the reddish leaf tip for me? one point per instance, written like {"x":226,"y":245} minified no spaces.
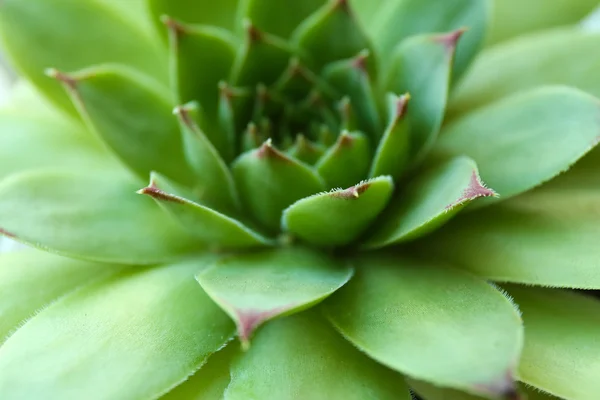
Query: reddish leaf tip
{"x":252,"y":32}
{"x":173,"y":25}
{"x":7,"y":234}
{"x":68,"y":80}
{"x":360,"y":61}
{"x":345,"y":140}
{"x":249,"y":320}
{"x":153,"y":191}
{"x":343,"y":5}
{"x":351,"y":193}
{"x":450,"y":40}
{"x":475,"y":189}
{"x":267,"y":151}
{"x":504,"y":389}
{"x":401,"y":105}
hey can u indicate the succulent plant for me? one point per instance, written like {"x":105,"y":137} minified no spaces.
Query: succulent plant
{"x":300,"y":199}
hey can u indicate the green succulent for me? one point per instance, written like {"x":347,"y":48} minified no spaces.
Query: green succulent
{"x":300,"y":235}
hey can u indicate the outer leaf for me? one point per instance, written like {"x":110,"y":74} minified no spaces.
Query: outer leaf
{"x":536,"y":15}
{"x":279,"y":17}
{"x":301,"y":357}
{"x":208,"y":225}
{"x":215,"y":187}
{"x":393,"y":149}
{"x":30,"y":280}
{"x":330,"y":34}
{"x":398,"y":20}
{"x":431,"y":323}
{"x":201,"y":57}
{"x":541,"y":238}
{"x":261,"y":60}
{"x":199,"y":12}
{"x":29,"y":142}
{"x":559,"y":122}
{"x":529,"y":62}
{"x":256,"y":287}
{"x":210,"y":381}
{"x":561,"y":341}
{"x":132,"y":116}
{"x":422,"y":67}
{"x":91,"y":217}
{"x":269,"y":181}
{"x":431,"y":392}
{"x":347,"y":161}
{"x":338,"y":217}
{"x":153,"y":328}
{"x":352,"y":78}
{"x":429,"y":202}
{"x":72,"y":32}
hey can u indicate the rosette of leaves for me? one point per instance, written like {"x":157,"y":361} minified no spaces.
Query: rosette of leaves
{"x":260,"y":200}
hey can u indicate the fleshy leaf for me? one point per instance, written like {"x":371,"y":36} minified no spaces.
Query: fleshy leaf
{"x":539,"y":15}
{"x":89,"y":216}
{"x":559,"y":122}
{"x":347,"y":161}
{"x":256,"y":287}
{"x":201,"y":57}
{"x":48,"y":25}
{"x":210,"y":381}
{"x":330,"y":34}
{"x":302,"y":357}
{"x":529,"y":62}
{"x":543,"y":238}
{"x":305,"y":150}
{"x":430,"y":322}
{"x":31,"y":279}
{"x":261,"y":59}
{"x":198,"y":12}
{"x":422,"y":67}
{"x":153,"y":327}
{"x":561,"y":348}
{"x":233,"y":113}
{"x":279,"y":17}
{"x":29,"y":142}
{"x":338,"y":217}
{"x":391,"y":156}
{"x":215,"y":186}
{"x":132,"y":115}
{"x":428,"y":202}
{"x":269,"y":181}
{"x":352,"y":78}
{"x":398,"y":20}
{"x":210,"y":226}
{"x":431,"y":392}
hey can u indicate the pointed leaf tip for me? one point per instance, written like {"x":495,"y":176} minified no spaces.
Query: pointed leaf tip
{"x":474,"y":190}
{"x":64,"y":78}
{"x":7,"y":234}
{"x":153,"y":191}
{"x":175,"y":27}
{"x":450,"y":40}
{"x":248,"y":320}
{"x":353,"y":192}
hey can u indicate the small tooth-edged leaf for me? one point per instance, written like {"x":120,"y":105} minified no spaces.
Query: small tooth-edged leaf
{"x":296,"y":81}
{"x":269,"y":181}
{"x":330,"y":34}
{"x":208,"y":225}
{"x":559,"y":122}
{"x":352,"y":78}
{"x":530,"y":62}
{"x":251,"y":138}
{"x":326,"y":136}
{"x":422,"y":66}
{"x":391,"y":156}
{"x":261,"y":59}
{"x":302,"y":357}
{"x":560,"y":355}
{"x":256,"y":287}
{"x":201,"y":57}
{"x":338,"y":217}
{"x":430,"y":322}
{"x":428,"y":202}
{"x":539,"y":15}
{"x":215,"y":186}
{"x":347,"y":160}
{"x":29,"y":141}
{"x":132,"y":117}
{"x":279,"y":17}
{"x":48,"y":26}
{"x":427,"y":391}
{"x":266,"y":103}
{"x":198,"y":12}
{"x":234,"y":111}
{"x":32,"y":279}
{"x":347,"y":114}
{"x":305,"y":150}
{"x":210,"y":381}
{"x":89,"y":216}
{"x":398,"y":20}
{"x":153,"y":327}
{"x":539,"y":238}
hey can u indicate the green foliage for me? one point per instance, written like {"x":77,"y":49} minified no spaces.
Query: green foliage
{"x":327,"y":176}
